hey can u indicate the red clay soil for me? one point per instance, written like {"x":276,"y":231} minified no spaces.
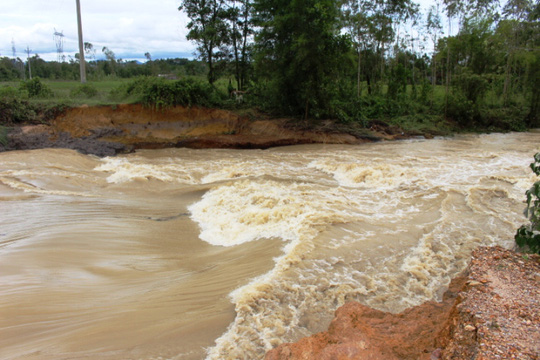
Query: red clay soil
{"x":492,"y":311}
{"x":106,"y":130}
{"x":194,"y":127}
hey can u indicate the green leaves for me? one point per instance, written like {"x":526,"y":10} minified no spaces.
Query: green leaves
{"x":526,"y":239}
{"x":36,"y":88}
{"x":535,"y":166}
{"x":301,"y":55}
{"x":208,"y":29}
{"x":185,"y":92}
{"x":528,"y":236}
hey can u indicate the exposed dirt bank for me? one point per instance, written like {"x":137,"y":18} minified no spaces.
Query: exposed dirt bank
{"x":107,"y":130}
{"x":492,"y":311}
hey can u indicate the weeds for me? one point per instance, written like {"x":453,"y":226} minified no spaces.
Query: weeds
{"x":528,"y":236}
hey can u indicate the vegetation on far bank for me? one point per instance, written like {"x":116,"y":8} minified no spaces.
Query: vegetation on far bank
{"x":355,"y":62}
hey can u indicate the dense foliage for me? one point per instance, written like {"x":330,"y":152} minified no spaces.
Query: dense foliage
{"x":327,"y":58}
{"x":111,"y":67}
{"x":160,"y":93}
{"x":528,"y":236}
{"x":16,"y":105}
{"x":356,"y":61}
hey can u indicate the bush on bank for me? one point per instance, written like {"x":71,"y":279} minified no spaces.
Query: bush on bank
{"x":16,"y":105}
{"x":528,"y":236}
{"x":420,"y":109}
{"x":160,"y":93}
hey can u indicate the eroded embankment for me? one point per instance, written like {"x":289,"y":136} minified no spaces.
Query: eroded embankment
{"x":107,"y":130}
{"x":492,"y":311}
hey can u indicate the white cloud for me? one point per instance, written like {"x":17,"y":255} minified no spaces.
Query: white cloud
{"x":125,"y":27}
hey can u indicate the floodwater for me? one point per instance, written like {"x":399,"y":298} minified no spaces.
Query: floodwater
{"x":224,"y":254}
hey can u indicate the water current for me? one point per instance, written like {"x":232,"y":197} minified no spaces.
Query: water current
{"x":224,"y":254}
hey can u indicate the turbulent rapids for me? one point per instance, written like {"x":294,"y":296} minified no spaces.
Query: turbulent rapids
{"x":225,"y":254}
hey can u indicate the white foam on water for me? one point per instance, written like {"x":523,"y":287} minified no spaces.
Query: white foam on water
{"x":247,"y":210}
{"x":123,"y":170}
{"x":357,"y":174}
{"x":293,"y":299}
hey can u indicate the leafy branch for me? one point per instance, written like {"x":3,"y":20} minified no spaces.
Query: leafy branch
{"x":528,"y":236}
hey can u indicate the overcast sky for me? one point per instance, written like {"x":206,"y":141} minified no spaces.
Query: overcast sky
{"x":129,"y":28}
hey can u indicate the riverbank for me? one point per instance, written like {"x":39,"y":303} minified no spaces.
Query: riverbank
{"x":491,"y":311}
{"x":108,"y":130}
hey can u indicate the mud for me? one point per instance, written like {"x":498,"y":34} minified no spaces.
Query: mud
{"x":108,"y":130}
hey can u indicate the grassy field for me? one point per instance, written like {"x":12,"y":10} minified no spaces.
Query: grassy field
{"x":65,"y":91}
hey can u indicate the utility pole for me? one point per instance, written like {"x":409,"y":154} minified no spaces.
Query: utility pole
{"x":28,"y":51}
{"x":81,"y":45}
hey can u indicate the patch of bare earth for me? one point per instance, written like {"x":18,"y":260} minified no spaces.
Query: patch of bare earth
{"x":491,"y":311}
{"x":497,"y":315}
{"x":107,"y":130}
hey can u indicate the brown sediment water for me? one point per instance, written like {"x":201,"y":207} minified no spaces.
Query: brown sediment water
{"x":224,"y":254}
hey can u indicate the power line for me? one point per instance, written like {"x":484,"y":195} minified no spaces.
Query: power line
{"x":59,"y":41}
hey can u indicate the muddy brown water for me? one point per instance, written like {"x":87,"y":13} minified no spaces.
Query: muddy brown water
{"x":224,"y":254}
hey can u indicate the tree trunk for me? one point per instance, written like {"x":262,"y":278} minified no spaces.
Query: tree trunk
{"x":447,"y":87}
{"x":433,"y":79}
{"x":507,"y":79}
{"x":211,"y":75}
{"x":533,"y":118}
{"x":359,"y":75}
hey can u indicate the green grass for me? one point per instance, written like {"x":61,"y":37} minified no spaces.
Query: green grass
{"x":63,"y":91}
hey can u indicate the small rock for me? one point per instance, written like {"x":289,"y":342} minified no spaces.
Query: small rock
{"x":474,"y":283}
{"x":469,"y":328}
{"x":436,"y":354}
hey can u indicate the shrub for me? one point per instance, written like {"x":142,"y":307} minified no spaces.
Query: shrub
{"x":461,"y":110}
{"x":14,"y":110}
{"x":160,"y":93}
{"x":185,"y":92}
{"x":36,"y":88}
{"x":472,"y":86}
{"x":134,"y":88}
{"x":528,"y":236}
{"x":10,"y":92}
{"x":84,"y":91}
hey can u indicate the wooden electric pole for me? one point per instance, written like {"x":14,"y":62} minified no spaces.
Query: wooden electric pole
{"x":81,"y":45}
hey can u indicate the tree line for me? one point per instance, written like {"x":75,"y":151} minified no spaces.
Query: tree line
{"x":349,"y":58}
{"x":474,"y":63}
{"x":110,"y":67}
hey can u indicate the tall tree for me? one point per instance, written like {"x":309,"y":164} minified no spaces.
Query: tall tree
{"x":240,"y":37}
{"x":434,"y":28}
{"x":111,"y":61}
{"x":513,"y":29}
{"x":208,"y":29}
{"x":300,"y":52}
{"x":372,"y":25}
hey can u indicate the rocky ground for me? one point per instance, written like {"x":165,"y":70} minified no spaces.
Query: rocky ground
{"x":108,"y":130}
{"x":491,"y":311}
